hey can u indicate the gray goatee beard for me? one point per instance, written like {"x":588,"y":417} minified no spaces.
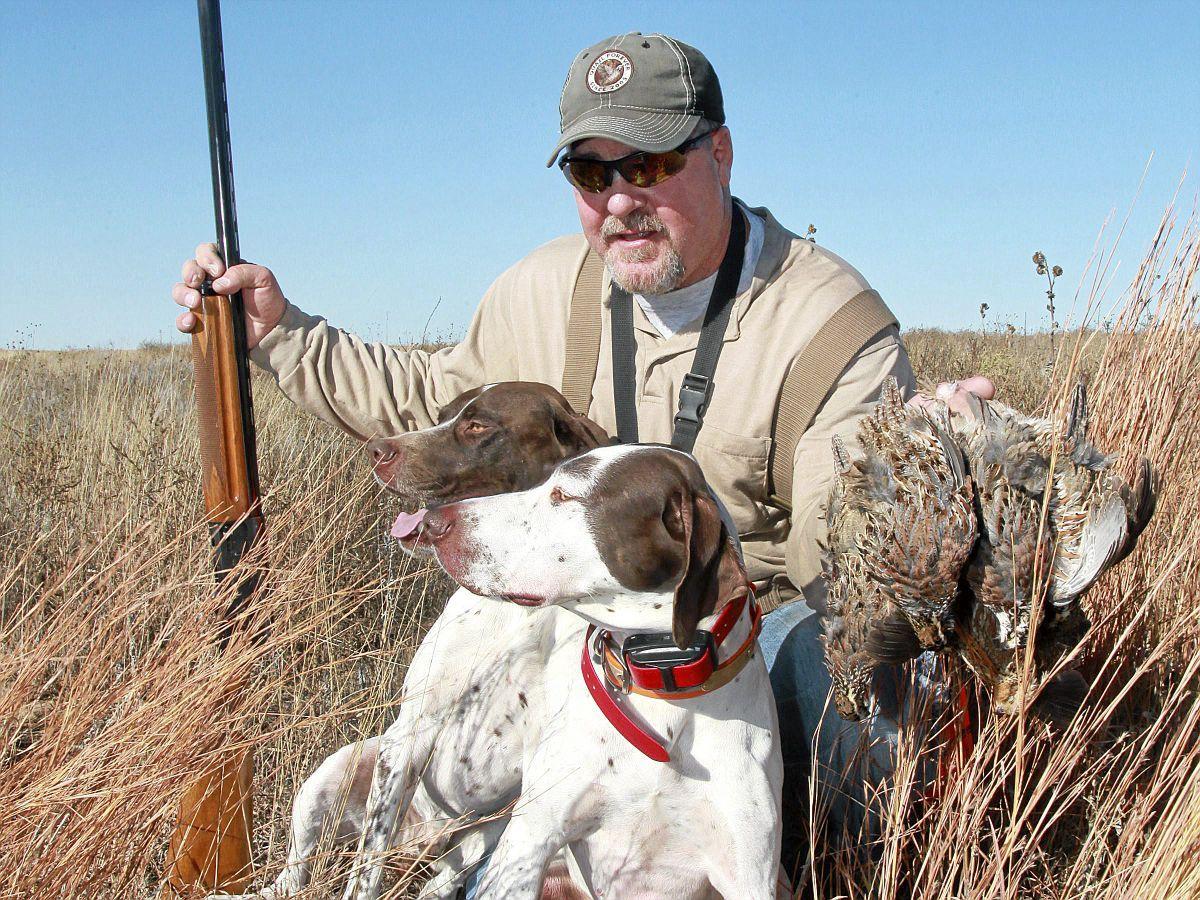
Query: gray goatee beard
{"x":664,"y":276}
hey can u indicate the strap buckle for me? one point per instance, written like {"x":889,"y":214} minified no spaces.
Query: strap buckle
{"x":693,"y":399}
{"x":598,"y":649}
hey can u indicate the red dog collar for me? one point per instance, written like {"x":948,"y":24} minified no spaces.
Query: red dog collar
{"x":656,"y":668}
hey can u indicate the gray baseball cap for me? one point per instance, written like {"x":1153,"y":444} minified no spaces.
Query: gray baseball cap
{"x":647,"y":91}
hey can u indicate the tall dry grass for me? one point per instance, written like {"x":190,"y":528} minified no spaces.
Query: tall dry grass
{"x":1108,"y":806}
{"x":111,"y":697}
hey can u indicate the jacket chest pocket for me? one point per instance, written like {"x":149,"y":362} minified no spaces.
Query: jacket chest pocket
{"x":735,"y":466}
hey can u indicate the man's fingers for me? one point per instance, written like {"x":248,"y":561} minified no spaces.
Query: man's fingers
{"x":265,"y":303}
{"x":192,"y":274}
{"x":957,"y":394}
{"x":979,"y":385}
{"x":210,"y":260}
{"x":185,"y":296}
{"x":960,"y":395}
{"x":247,"y":275}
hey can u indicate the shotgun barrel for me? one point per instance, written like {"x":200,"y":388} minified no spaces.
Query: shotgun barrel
{"x":228,"y":453}
{"x":210,"y":847}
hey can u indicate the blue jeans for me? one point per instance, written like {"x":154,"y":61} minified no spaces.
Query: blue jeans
{"x":851,"y":757}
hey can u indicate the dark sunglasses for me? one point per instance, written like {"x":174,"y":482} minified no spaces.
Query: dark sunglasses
{"x":642,"y":169}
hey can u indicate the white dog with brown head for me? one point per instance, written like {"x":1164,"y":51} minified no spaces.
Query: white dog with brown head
{"x":660,"y":766}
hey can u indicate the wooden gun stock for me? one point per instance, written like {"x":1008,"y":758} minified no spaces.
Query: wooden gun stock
{"x":210,"y":847}
{"x":229,"y":475}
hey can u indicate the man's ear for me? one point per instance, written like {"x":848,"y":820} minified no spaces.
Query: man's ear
{"x":713,"y":572}
{"x":576,"y":434}
{"x":722,"y":142}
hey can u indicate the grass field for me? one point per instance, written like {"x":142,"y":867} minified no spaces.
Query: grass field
{"x":111,"y":697}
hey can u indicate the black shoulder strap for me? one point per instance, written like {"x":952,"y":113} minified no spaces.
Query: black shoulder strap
{"x":697,"y":385}
{"x":624,"y":364}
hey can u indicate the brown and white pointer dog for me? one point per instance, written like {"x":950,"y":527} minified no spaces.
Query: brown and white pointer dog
{"x":631,"y":540}
{"x":503,"y":437}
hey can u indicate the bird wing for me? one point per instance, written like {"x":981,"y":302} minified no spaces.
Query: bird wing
{"x":1101,"y":541}
{"x":1140,"y":505}
{"x":891,"y":639}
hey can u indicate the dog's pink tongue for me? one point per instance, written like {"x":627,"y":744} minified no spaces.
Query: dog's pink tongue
{"x":406,"y":524}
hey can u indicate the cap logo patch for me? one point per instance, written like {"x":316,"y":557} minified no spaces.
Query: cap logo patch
{"x":611,"y":70}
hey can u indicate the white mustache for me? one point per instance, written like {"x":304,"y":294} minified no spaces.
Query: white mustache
{"x":636,"y":222}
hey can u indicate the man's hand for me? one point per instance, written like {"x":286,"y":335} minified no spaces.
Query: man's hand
{"x":955,"y":394}
{"x":261,"y":294}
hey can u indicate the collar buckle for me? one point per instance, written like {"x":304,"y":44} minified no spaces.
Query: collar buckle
{"x":654,"y":662}
{"x":599,"y":647}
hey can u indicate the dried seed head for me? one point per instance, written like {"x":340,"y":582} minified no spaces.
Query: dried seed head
{"x":1057,"y":270}
{"x":1039,"y":259}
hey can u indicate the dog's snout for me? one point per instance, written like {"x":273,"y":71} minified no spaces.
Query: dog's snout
{"x":438,"y":523}
{"x":382,"y":452}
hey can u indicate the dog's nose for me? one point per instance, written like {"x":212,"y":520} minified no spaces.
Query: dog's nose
{"x":382,"y":452}
{"x":438,"y":522}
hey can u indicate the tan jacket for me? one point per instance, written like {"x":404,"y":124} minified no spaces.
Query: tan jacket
{"x":518,"y":333}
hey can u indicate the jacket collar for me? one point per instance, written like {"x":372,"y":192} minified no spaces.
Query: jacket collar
{"x":777,"y":248}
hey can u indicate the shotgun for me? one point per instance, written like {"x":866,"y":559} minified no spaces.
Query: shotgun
{"x":210,"y":847}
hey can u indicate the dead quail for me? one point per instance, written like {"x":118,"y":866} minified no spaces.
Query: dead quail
{"x":1010,"y":465}
{"x":901,"y":525}
{"x":1097,"y":518}
{"x":1092,"y":520}
{"x":1001,"y":579}
{"x":863,"y":630}
{"x":931,"y":527}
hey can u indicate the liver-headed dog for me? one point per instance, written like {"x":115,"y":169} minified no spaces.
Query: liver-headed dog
{"x":503,"y":437}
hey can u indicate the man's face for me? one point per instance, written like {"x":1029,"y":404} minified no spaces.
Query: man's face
{"x":664,"y":237}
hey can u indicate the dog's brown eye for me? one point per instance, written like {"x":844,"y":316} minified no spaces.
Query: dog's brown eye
{"x":559,"y":496}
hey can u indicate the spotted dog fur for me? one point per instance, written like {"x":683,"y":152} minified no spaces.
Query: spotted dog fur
{"x":630,"y":539}
{"x":465,"y":689}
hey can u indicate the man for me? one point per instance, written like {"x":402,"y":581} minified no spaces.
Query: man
{"x":649,"y":160}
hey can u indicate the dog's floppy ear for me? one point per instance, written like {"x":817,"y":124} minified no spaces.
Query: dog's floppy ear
{"x":576,"y":434}
{"x":713,"y":573}
{"x":455,"y":406}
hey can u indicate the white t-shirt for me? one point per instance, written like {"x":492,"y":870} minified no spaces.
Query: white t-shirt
{"x":669,"y":313}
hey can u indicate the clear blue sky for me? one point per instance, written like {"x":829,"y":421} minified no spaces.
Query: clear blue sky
{"x":388,"y":154}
